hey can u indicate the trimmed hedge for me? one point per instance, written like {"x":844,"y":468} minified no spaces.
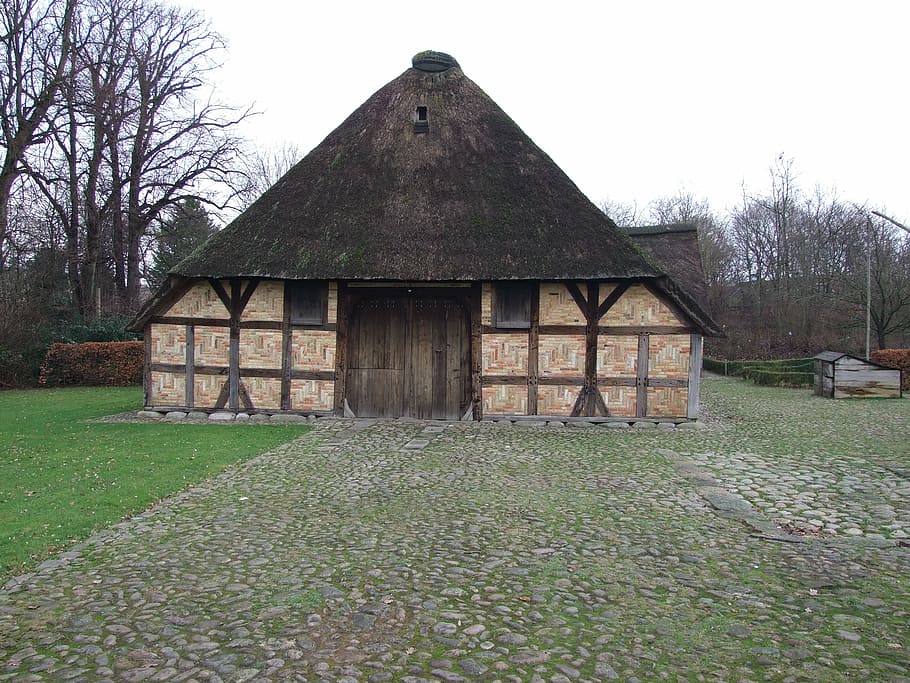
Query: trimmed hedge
{"x":787,"y":372}
{"x":93,"y":364}
{"x":894,"y":358}
{"x":770,"y":378}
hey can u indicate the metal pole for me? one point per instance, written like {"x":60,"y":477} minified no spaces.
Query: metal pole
{"x":868,"y":287}
{"x":891,"y":220}
{"x":869,"y":270}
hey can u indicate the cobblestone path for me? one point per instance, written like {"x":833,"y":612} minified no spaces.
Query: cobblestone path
{"x":379,"y":551}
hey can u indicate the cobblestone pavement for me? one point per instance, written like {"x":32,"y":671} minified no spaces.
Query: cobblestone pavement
{"x":768,"y":545}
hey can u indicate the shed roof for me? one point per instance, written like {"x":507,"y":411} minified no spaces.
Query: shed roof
{"x":834,"y":356}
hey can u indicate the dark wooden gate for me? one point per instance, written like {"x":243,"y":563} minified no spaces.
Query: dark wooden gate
{"x":408,"y":356}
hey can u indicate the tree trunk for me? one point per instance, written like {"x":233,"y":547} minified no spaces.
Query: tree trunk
{"x":6,"y":187}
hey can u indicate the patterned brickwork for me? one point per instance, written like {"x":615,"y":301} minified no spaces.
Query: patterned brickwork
{"x":212,"y":345}
{"x":604,"y":291}
{"x":168,"y":343}
{"x":168,"y":389}
{"x":561,"y":354}
{"x":617,"y":356}
{"x":309,"y":394}
{"x":486,"y":304}
{"x":667,"y":401}
{"x":267,"y":302}
{"x":332,"y":315}
{"x":620,"y":400}
{"x":556,"y":399}
{"x":264,"y":392}
{"x":502,"y":399}
{"x":505,"y":354}
{"x":668,"y":356}
{"x":201,"y":301}
{"x":206,"y":389}
{"x":260,"y":349}
{"x":557,"y":307}
{"x":639,"y":307}
{"x":312,"y":350}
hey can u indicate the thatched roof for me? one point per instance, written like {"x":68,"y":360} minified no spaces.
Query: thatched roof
{"x":674,"y":248}
{"x":472,"y":198}
{"x":428,"y":180}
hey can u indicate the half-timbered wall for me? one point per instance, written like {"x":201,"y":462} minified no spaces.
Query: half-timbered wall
{"x":590,"y":349}
{"x":216,"y":326}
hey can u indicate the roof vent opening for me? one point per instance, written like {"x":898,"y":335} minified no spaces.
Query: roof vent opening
{"x":422,"y":123}
{"x":433,"y":62}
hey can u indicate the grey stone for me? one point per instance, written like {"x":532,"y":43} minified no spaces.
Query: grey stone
{"x":569,"y":671}
{"x":605,"y":672}
{"x":531,"y":657}
{"x":287,"y":418}
{"x":259,"y":418}
{"x":363,"y":621}
{"x":797,"y":653}
{"x":444,"y":628}
{"x":149,"y":414}
{"x":242,"y":417}
{"x":616,"y":425}
{"x":175,"y":415}
{"x":417,"y":444}
{"x":222,"y":416}
{"x":723,"y":500}
{"x":739,"y":631}
{"x":511,"y":638}
{"x":197,"y":415}
{"x":644,"y":424}
{"x":472,"y":667}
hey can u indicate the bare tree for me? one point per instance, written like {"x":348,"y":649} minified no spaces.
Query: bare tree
{"x":889,"y":262}
{"x":262,"y":168}
{"x":141,"y":132}
{"x":623,"y":214}
{"x":34,"y":49}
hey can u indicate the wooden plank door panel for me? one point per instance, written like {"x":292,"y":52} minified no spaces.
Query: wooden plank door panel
{"x":409,"y":357}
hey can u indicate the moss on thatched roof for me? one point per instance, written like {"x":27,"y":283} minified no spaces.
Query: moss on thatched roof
{"x":472,"y":198}
{"x":674,"y":248}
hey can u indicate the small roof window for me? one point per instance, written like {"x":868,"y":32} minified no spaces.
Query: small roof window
{"x":421,"y":122}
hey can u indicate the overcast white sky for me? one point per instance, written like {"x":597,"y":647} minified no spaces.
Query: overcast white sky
{"x":633,"y":99}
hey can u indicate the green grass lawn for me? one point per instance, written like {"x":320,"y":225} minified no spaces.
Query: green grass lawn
{"x":61,"y":477}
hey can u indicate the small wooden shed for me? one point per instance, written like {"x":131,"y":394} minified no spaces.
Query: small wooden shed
{"x":840,"y":375}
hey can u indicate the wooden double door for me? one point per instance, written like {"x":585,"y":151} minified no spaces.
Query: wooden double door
{"x":409,"y":355}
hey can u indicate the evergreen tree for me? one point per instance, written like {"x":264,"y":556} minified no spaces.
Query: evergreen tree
{"x":186,"y":226}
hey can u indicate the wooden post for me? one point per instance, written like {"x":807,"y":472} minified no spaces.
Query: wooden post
{"x":341,"y":347}
{"x":641,"y":380}
{"x":286,"y":350}
{"x":190,"y":372}
{"x":234,"y":351}
{"x":533,"y":344}
{"x":476,"y":350}
{"x":590,"y":406}
{"x":147,"y":369}
{"x":695,"y":351}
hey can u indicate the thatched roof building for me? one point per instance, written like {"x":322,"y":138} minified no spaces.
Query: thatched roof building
{"x":428,"y":213}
